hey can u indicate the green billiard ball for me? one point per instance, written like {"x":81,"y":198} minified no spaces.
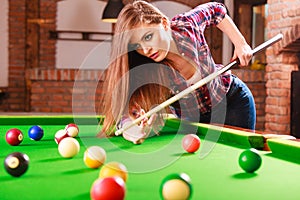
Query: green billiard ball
{"x":250,"y":160}
{"x":176,"y":186}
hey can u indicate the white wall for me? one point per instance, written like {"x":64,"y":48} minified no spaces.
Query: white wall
{"x":171,"y":8}
{"x":85,"y":15}
{"x":4,"y":43}
{"x":227,"y":44}
{"x":81,"y":15}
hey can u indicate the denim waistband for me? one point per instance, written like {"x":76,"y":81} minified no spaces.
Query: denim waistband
{"x":234,"y":88}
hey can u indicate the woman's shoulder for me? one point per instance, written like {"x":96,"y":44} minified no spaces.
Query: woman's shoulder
{"x":200,"y":12}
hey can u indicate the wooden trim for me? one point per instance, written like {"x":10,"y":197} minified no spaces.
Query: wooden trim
{"x":80,"y":35}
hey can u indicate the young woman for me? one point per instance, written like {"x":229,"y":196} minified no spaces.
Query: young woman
{"x":183,"y":57}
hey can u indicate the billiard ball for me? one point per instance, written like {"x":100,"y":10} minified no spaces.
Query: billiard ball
{"x":250,"y":160}
{"x":190,"y":143}
{"x":16,"y":164}
{"x":68,"y":147}
{"x":108,"y":188}
{"x":72,"y":130}
{"x":59,"y":135}
{"x":14,"y":136}
{"x":94,"y":157}
{"x":176,"y":186}
{"x":114,"y":169}
{"x":35,"y":133}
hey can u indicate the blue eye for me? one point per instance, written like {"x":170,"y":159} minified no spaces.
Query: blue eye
{"x":148,"y":37}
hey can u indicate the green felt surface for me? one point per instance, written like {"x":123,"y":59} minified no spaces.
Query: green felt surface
{"x":214,"y":169}
{"x":285,"y":149}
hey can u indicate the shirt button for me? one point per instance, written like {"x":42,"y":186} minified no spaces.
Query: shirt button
{"x":205,"y":97}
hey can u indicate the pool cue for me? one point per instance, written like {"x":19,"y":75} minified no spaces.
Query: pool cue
{"x":197,"y":85}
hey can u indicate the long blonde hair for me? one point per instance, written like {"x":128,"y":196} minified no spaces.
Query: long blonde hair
{"x":116,"y":100}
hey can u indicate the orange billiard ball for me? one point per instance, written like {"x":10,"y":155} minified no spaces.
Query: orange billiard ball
{"x":114,"y":169}
{"x":191,"y":143}
{"x":94,"y":157}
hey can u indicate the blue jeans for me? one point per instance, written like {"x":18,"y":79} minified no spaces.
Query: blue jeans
{"x":238,"y":109}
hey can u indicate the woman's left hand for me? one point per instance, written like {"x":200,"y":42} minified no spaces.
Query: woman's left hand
{"x":243,"y":53}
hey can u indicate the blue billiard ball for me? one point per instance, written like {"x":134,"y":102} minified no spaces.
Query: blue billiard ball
{"x":35,"y":133}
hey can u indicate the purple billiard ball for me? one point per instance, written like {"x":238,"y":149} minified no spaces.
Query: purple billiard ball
{"x":16,"y":164}
{"x":35,"y":133}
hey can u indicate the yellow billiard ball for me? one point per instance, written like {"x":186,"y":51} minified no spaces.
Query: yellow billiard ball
{"x":94,"y":157}
{"x":176,"y":186}
{"x":112,"y":169}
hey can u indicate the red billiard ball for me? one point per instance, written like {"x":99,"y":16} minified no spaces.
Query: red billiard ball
{"x":35,"y":133}
{"x":108,"y":188}
{"x":16,"y":164}
{"x":14,"y":136}
{"x":250,"y":160}
{"x":191,"y":143}
{"x":60,"y":135}
{"x":72,"y":130}
{"x":176,"y":186}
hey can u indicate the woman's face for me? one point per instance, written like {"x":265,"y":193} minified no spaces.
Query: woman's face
{"x":152,"y":41}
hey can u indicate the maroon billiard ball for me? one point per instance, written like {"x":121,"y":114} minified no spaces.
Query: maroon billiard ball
{"x":72,"y":130}
{"x":16,"y":164}
{"x":14,"y":136}
{"x":60,"y":135}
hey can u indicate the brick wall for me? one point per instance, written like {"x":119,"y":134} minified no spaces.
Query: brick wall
{"x":16,"y":78}
{"x":72,"y":91}
{"x":255,"y":80}
{"x":65,"y":90}
{"x":283,"y":17}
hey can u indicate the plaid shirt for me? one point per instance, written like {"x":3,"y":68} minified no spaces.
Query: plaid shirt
{"x":188,"y":32}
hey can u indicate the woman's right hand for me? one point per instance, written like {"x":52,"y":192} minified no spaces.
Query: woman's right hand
{"x":138,"y":133}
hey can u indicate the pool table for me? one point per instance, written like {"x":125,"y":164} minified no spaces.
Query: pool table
{"x":213,"y":169}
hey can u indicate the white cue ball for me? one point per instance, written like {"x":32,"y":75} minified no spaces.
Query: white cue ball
{"x":68,"y":147}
